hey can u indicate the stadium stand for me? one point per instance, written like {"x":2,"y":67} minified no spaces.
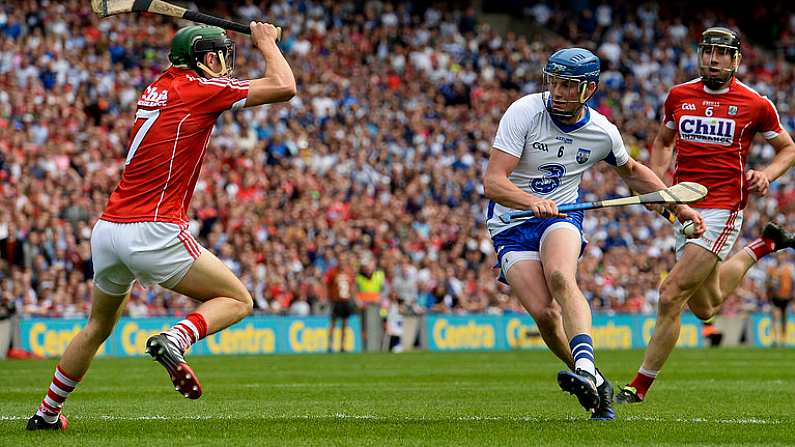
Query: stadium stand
{"x":380,"y":154}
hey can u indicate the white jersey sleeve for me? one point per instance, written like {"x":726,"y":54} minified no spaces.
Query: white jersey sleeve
{"x":618,"y":155}
{"x":512,"y":132}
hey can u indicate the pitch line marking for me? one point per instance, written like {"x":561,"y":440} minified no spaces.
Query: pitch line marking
{"x":474,"y":418}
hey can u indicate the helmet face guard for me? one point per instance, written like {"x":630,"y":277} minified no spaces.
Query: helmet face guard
{"x":560,"y":92}
{"x":224,"y":50}
{"x":568,"y":77}
{"x":716,"y":44}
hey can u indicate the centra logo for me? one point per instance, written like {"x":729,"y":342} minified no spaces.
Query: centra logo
{"x":699,"y":129}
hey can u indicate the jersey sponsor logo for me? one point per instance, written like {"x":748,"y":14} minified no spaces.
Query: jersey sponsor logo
{"x":699,"y":129}
{"x":551,"y":180}
{"x":152,"y":97}
{"x":583,"y":155}
{"x":688,"y":106}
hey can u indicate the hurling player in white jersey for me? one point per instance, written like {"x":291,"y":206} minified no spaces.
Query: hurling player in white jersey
{"x":545,"y":141}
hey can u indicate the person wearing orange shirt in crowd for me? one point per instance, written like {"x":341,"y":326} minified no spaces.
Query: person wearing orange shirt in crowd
{"x":341,"y":284}
{"x":779,"y":293}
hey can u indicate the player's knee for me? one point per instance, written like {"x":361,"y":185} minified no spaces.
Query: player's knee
{"x":246,"y":303}
{"x":560,"y":283}
{"x":547,"y":316}
{"x":672,"y":298}
{"x":670,"y":304}
{"x":704,"y":312}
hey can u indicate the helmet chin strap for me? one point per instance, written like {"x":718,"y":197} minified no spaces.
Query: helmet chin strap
{"x":213,"y":74}
{"x":583,"y":92}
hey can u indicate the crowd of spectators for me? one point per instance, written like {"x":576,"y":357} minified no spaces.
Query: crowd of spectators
{"x":379,"y":155}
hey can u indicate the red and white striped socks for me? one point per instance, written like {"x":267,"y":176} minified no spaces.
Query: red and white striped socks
{"x":60,"y":387}
{"x":188,"y":331}
{"x":760,"y":247}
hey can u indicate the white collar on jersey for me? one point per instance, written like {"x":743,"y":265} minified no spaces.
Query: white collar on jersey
{"x":716,"y":92}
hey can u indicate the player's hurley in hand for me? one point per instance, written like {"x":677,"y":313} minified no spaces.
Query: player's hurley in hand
{"x":106,"y":8}
{"x":682,"y":193}
{"x":264,"y":33}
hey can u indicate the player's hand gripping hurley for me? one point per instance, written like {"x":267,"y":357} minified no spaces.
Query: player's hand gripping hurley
{"x":105,"y":8}
{"x":685,"y":192}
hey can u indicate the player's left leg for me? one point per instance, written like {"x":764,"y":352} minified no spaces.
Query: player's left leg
{"x":224,"y":302}
{"x":733,"y":270}
{"x":331,"y":326}
{"x":560,"y":248}
{"x":343,"y":327}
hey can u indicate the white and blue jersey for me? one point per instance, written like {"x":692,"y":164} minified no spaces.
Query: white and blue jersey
{"x":552,"y":158}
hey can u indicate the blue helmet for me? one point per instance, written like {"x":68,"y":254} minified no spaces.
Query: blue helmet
{"x":572,"y":65}
{"x":575,"y":63}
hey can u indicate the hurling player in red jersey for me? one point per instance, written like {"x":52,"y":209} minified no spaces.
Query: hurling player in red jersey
{"x":142,"y":235}
{"x":711,"y":121}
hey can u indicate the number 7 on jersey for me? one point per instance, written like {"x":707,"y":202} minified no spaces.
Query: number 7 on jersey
{"x":150,"y":116}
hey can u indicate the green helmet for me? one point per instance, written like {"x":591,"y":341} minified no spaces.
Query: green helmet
{"x":191,"y":43}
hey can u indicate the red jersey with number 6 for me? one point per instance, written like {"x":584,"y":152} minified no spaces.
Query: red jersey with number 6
{"x":175,"y":117}
{"x":715,"y":130}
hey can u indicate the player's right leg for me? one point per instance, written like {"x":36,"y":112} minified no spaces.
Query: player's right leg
{"x":526,"y":278}
{"x":696,"y":268}
{"x":105,"y":312}
{"x":112,"y":282}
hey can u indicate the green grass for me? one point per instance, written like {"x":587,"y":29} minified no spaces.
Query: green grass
{"x":704,"y":397}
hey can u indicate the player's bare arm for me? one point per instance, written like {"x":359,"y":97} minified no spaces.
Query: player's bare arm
{"x":500,"y":189}
{"x":642,"y":179}
{"x":662,"y":151}
{"x":278,"y":84}
{"x":759,"y":180}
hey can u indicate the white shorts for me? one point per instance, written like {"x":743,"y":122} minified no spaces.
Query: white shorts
{"x":151,"y":252}
{"x":723,"y":228}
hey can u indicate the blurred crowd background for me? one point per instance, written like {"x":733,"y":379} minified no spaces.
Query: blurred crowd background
{"x":376,"y":162}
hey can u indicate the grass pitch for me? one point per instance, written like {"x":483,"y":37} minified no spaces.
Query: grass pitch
{"x":703,"y":397}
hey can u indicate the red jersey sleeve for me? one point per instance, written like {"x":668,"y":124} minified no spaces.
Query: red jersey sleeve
{"x":769,"y":124}
{"x":668,"y":110}
{"x":213,"y":95}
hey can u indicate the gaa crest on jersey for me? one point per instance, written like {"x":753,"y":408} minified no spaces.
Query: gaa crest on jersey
{"x":583,"y":155}
{"x":732,"y":110}
{"x":700,"y":129}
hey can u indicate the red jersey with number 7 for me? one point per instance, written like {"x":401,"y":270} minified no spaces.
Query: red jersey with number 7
{"x":173,"y":123}
{"x":714,"y":131}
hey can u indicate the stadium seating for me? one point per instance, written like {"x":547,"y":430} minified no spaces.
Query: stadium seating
{"x":380,"y":154}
